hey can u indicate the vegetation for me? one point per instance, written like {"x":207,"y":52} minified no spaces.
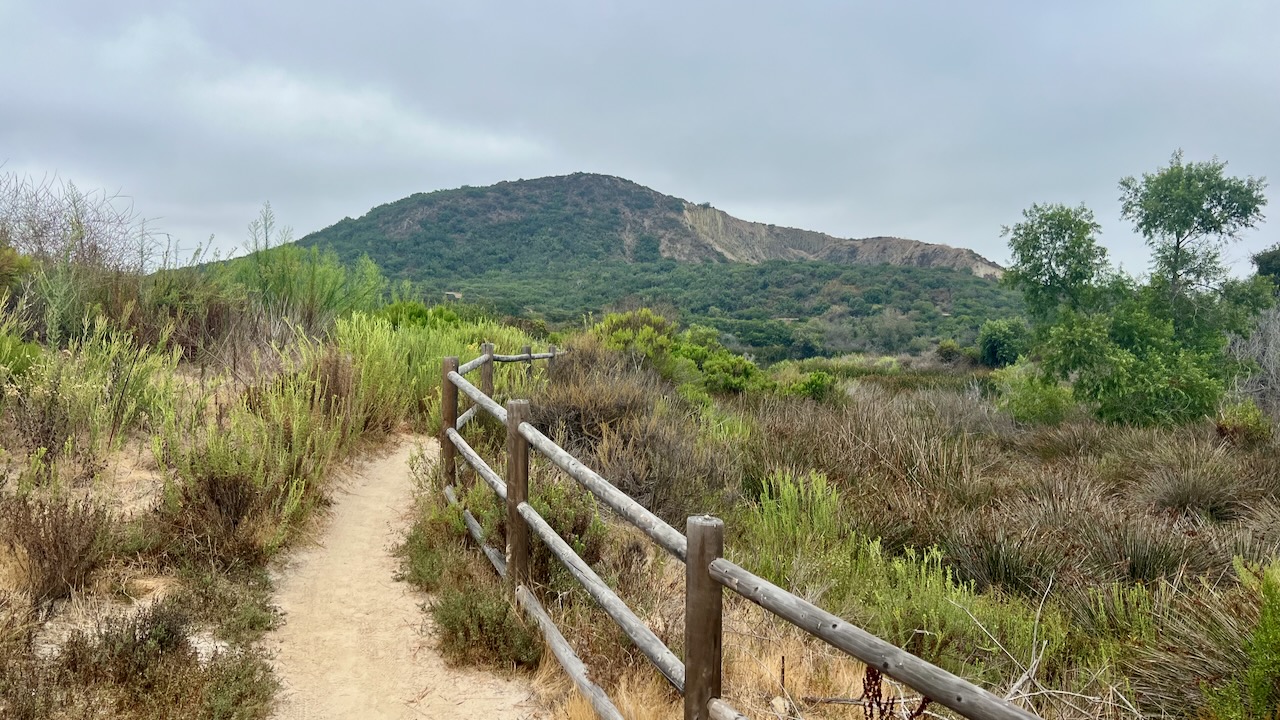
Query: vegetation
{"x":557,"y":249}
{"x":225,"y":393}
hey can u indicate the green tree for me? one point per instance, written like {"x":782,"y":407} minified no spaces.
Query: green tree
{"x":1000,"y":342}
{"x":1057,"y":262}
{"x":1188,"y":212}
{"x":1268,"y":263}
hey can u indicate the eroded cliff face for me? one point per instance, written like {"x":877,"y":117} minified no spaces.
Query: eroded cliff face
{"x":741,"y":241}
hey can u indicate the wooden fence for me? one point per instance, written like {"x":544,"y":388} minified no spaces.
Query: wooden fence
{"x":698,"y":677}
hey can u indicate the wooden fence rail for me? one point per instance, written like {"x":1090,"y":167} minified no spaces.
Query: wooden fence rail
{"x":707,"y":573}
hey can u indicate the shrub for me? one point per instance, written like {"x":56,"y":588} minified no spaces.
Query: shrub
{"x":1197,"y":479}
{"x":1000,"y":342}
{"x":62,"y":542}
{"x":478,"y":626}
{"x":950,"y":352}
{"x":16,"y":356}
{"x":815,"y":386}
{"x":1029,"y":396}
{"x":640,"y":332}
{"x":1243,"y":423}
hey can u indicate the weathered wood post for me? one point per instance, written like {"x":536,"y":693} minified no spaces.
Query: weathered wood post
{"x":528,"y":368}
{"x":486,"y":370}
{"x":448,"y":419}
{"x":551,"y":361}
{"x":703,"y":602}
{"x":517,"y":492}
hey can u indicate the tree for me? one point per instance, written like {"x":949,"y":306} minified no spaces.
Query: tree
{"x":1000,"y":342}
{"x":1188,"y":212}
{"x":1268,"y":263}
{"x":1057,"y":262}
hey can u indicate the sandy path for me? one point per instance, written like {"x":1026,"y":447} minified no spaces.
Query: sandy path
{"x":353,"y":643}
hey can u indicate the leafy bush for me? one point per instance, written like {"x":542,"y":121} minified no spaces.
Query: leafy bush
{"x":16,"y":356}
{"x":1243,"y":423}
{"x":408,"y":313}
{"x":815,"y":386}
{"x":478,"y":626}
{"x":1031,"y":397}
{"x":950,"y":352}
{"x":1000,"y":342}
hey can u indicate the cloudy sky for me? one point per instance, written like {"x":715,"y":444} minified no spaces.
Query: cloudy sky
{"x":931,"y":119}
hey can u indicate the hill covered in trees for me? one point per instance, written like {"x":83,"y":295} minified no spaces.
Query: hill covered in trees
{"x":555,"y":249}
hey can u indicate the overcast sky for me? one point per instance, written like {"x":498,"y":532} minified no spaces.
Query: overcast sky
{"x":939,"y":120}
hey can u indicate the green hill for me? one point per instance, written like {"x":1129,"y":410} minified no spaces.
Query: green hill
{"x":557,"y":248}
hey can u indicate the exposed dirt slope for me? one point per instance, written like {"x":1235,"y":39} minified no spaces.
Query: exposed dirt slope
{"x":353,"y":643}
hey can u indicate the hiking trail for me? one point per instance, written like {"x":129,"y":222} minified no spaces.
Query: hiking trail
{"x":355,"y":642}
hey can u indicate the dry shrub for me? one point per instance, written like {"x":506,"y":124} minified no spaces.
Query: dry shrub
{"x":632,"y":427}
{"x":1204,"y":636}
{"x":1194,"y":478}
{"x":214,"y":521}
{"x":60,"y":541}
{"x":17,"y":625}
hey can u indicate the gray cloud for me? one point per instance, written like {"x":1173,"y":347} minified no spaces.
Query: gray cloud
{"x":929,"y":119}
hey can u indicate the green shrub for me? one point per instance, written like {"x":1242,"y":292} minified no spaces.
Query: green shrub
{"x":641,"y":332}
{"x":16,"y":356}
{"x":1029,"y":396}
{"x":1243,"y":423}
{"x":950,"y":352}
{"x":408,"y":313}
{"x":478,"y":626}
{"x":815,"y":385}
{"x":1000,"y":342}
{"x":732,"y":374}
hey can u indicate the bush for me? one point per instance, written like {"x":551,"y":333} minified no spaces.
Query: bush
{"x":478,"y":626}
{"x":950,"y":352}
{"x":62,"y":542}
{"x":1000,"y":342}
{"x":815,"y":386}
{"x":1029,"y":396}
{"x":16,"y":356}
{"x":1243,"y":423}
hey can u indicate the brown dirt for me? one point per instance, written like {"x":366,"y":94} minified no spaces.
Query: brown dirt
{"x":354,"y":642}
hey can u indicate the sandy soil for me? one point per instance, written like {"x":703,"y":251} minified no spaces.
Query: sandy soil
{"x":354,"y":642}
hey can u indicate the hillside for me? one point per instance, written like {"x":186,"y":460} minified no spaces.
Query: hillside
{"x":583,"y":218}
{"x":557,"y":249}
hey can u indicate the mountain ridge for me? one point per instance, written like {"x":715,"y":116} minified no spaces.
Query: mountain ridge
{"x":587,"y":216}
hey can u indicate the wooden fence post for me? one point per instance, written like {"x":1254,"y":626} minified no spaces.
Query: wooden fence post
{"x":528,"y":368}
{"x":486,"y":370}
{"x":517,"y":492}
{"x":448,"y":419}
{"x":703,"y":602}
{"x":551,"y":361}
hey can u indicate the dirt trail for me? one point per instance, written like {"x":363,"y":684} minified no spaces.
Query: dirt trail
{"x":353,"y":643}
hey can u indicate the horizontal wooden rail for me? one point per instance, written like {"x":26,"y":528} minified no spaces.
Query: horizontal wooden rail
{"x":479,"y":398}
{"x":721,"y":710}
{"x":473,"y":364}
{"x":475,"y":461}
{"x":926,"y":678}
{"x":524,"y":358}
{"x":465,"y":417}
{"x":667,"y":537}
{"x":477,"y":534}
{"x":565,"y":655}
{"x":639,"y":633}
